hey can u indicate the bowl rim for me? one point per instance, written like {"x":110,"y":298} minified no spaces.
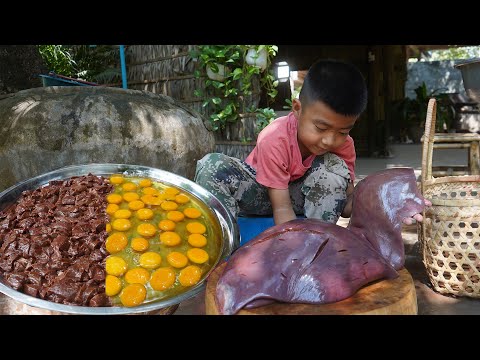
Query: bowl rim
{"x":227,"y":223}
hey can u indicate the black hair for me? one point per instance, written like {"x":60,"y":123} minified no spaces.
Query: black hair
{"x":338,"y":84}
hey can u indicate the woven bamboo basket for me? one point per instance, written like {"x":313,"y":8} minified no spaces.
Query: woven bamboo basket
{"x":450,"y":232}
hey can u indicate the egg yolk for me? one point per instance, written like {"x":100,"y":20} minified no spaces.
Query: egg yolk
{"x":190,"y":275}
{"x":129,"y":186}
{"x":165,"y":196}
{"x":146,"y":229}
{"x":150,"y":260}
{"x":177,"y":259}
{"x":115,"y":265}
{"x":133,"y":294}
{"x":137,"y":276}
{"x":151,"y":200}
{"x":197,"y":240}
{"x":111,"y":208}
{"x":175,"y":215}
{"x":116,"y":242}
{"x":170,"y":238}
{"x":145,"y":214}
{"x":169,"y":205}
{"x":167,"y":225}
{"x":116,"y":179}
{"x":196,"y":228}
{"x":162,"y":279}
{"x":182,"y":199}
{"x":198,"y":256}
{"x":130,"y":196}
{"x":113,"y":285}
{"x":134,"y":268}
{"x":150,"y":191}
{"x":121,"y":224}
{"x":145,"y":183}
{"x":114,"y":198}
{"x":136,"y":205}
{"x":192,"y":213}
{"x":122,"y":214}
{"x":139,"y":244}
{"x":172,"y":191}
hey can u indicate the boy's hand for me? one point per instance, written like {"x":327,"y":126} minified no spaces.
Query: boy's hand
{"x":347,"y":210}
{"x":418,"y":217}
{"x":281,"y":205}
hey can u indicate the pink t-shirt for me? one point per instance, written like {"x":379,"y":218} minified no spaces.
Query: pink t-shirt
{"x":277,"y":159}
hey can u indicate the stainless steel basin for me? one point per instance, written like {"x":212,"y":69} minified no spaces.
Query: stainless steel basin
{"x":230,"y":239}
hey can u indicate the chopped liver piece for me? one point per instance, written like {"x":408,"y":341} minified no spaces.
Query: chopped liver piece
{"x":52,"y":241}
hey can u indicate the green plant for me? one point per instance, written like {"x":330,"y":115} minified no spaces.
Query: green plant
{"x":98,"y":63}
{"x":58,"y":59}
{"x":264,"y":117}
{"x":412,"y":112}
{"x":289,"y":102}
{"x":235,"y":76}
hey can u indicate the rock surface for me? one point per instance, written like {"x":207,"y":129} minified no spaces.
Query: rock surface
{"x":43,"y":129}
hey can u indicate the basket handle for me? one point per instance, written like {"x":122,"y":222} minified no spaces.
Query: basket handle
{"x":428,"y":137}
{"x":427,"y":153}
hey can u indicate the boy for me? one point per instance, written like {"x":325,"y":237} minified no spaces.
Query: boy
{"x":303,"y":163}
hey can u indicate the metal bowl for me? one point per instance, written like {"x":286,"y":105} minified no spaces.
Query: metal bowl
{"x":230,"y":239}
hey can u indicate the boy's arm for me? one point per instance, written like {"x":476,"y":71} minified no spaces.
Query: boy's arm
{"x":281,"y":205}
{"x":347,"y":210}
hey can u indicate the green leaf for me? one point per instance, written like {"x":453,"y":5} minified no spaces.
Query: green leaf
{"x":273,"y":93}
{"x":237,"y":73}
{"x":217,"y":84}
{"x":214,"y":67}
{"x":254,"y":70}
{"x":216,"y":100}
{"x":231,"y":92}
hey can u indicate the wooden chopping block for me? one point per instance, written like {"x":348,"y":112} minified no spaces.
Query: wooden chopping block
{"x":383,"y":297}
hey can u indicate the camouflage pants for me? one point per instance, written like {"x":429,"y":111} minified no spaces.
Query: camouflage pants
{"x":320,"y":193}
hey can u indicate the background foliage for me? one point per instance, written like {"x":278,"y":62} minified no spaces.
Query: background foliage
{"x":96,"y":63}
{"x":230,"y":95}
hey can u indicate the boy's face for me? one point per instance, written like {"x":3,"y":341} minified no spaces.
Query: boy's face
{"x":320,"y":129}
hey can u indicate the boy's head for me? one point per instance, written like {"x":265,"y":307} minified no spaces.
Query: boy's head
{"x":337,"y":84}
{"x":333,"y":96}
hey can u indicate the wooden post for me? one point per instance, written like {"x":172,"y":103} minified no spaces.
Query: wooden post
{"x":473,"y":158}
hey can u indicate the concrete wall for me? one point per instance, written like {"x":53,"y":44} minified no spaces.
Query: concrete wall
{"x":436,"y":74}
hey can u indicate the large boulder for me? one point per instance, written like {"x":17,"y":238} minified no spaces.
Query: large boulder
{"x":43,"y":129}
